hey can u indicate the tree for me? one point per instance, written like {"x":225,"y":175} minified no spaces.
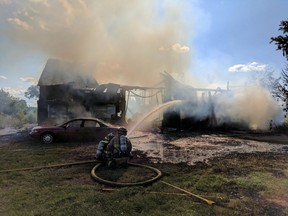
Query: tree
{"x":281,"y":88}
{"x":11,"y":105}
{"x":281,"y":41}
{"x":32,"y":92}
{"x":6,"y":100}
{"x":14,"y":112}
{"x":281,"y":84}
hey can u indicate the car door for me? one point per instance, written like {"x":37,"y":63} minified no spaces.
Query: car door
{"x":93,"y":131}
{"x":74,"y":130}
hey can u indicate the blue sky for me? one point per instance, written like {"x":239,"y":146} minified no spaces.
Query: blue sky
{"x":211,"y":42}
{"x":238,"y":32}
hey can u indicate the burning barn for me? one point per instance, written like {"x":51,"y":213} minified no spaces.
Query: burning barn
{"x":196,"y":109}
{"x":69,"y":90}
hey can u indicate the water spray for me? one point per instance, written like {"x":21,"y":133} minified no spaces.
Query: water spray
{"x":162,"y":106}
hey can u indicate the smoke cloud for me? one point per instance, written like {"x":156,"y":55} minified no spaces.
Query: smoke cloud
{"x":252,"y":106}
{"x":126,"y":42}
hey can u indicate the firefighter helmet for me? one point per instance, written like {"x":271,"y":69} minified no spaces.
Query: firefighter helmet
{"x":109,"y":136}
{"x":122,"y":130}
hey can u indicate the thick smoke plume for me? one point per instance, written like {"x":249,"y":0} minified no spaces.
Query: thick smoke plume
{"x":123,"y":41}
{"x":252,"y":106}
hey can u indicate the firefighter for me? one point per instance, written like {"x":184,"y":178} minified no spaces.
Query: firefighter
{"x":119,"y":148}
{"x":101,"y":153}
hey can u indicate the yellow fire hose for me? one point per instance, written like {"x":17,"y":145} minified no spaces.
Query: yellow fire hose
{"x":125,"y":184}
{"x":159,"y":174}
{"x":97,"y":178}
{"x":49,"y":166}
{"x":209,"y":202}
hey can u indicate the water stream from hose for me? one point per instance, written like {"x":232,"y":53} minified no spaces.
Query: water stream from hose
{"x":153,"y":111}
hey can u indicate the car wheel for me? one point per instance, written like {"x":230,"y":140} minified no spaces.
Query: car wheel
{"x":47,"y":138}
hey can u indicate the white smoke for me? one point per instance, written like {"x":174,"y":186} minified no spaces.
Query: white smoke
{"x":253,"y":106}
{"x":121,"y":39}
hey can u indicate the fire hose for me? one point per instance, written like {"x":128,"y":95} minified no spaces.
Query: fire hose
{"x":103,"y":181}
{"x":149,"y":181}
{"x":124,"y":184}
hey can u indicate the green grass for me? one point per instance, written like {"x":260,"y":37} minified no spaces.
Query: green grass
{"x":249,"y":184}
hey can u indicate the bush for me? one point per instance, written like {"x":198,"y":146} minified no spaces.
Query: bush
{"x":7,"y":121}
{"x":14,"y":112}
{"x":18,"y":121}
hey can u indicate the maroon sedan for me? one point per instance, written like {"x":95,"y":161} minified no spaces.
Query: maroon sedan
{"x":79,"y":129}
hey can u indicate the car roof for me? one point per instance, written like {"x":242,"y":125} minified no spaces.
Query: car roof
{"x":91,"y":118}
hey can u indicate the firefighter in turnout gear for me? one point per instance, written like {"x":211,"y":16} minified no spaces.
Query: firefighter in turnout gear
{"x":101,"y":153}
{"x":119,"y":149}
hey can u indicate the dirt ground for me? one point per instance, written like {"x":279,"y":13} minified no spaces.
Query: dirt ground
{"x":192,"y":147}
{"x":184,"y":147}
{"x":230,"y":154}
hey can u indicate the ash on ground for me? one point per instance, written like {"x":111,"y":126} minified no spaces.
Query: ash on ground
{"x":190,"y":148}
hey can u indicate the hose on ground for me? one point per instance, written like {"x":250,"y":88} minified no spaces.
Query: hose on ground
{"x":111,"y":183}
{"x":125,"y":184}
{"x":141,"y":183}
{"x":48,"y":166}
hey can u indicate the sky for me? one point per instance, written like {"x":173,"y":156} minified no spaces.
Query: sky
{"x":205,"y":43}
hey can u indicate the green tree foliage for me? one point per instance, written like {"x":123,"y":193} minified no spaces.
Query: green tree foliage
{"x":281,"y":41}
{"x":14,"y":112}
{"x":10,"y":105}
{"x":281,"y":88}
{"x":5,"y":99}
{"x":32,"y":92}
{"x":281,"y":84}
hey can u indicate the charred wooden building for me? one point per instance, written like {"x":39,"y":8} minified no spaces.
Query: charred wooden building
{"x":196,"y":110}
{"x":69,"y":90}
